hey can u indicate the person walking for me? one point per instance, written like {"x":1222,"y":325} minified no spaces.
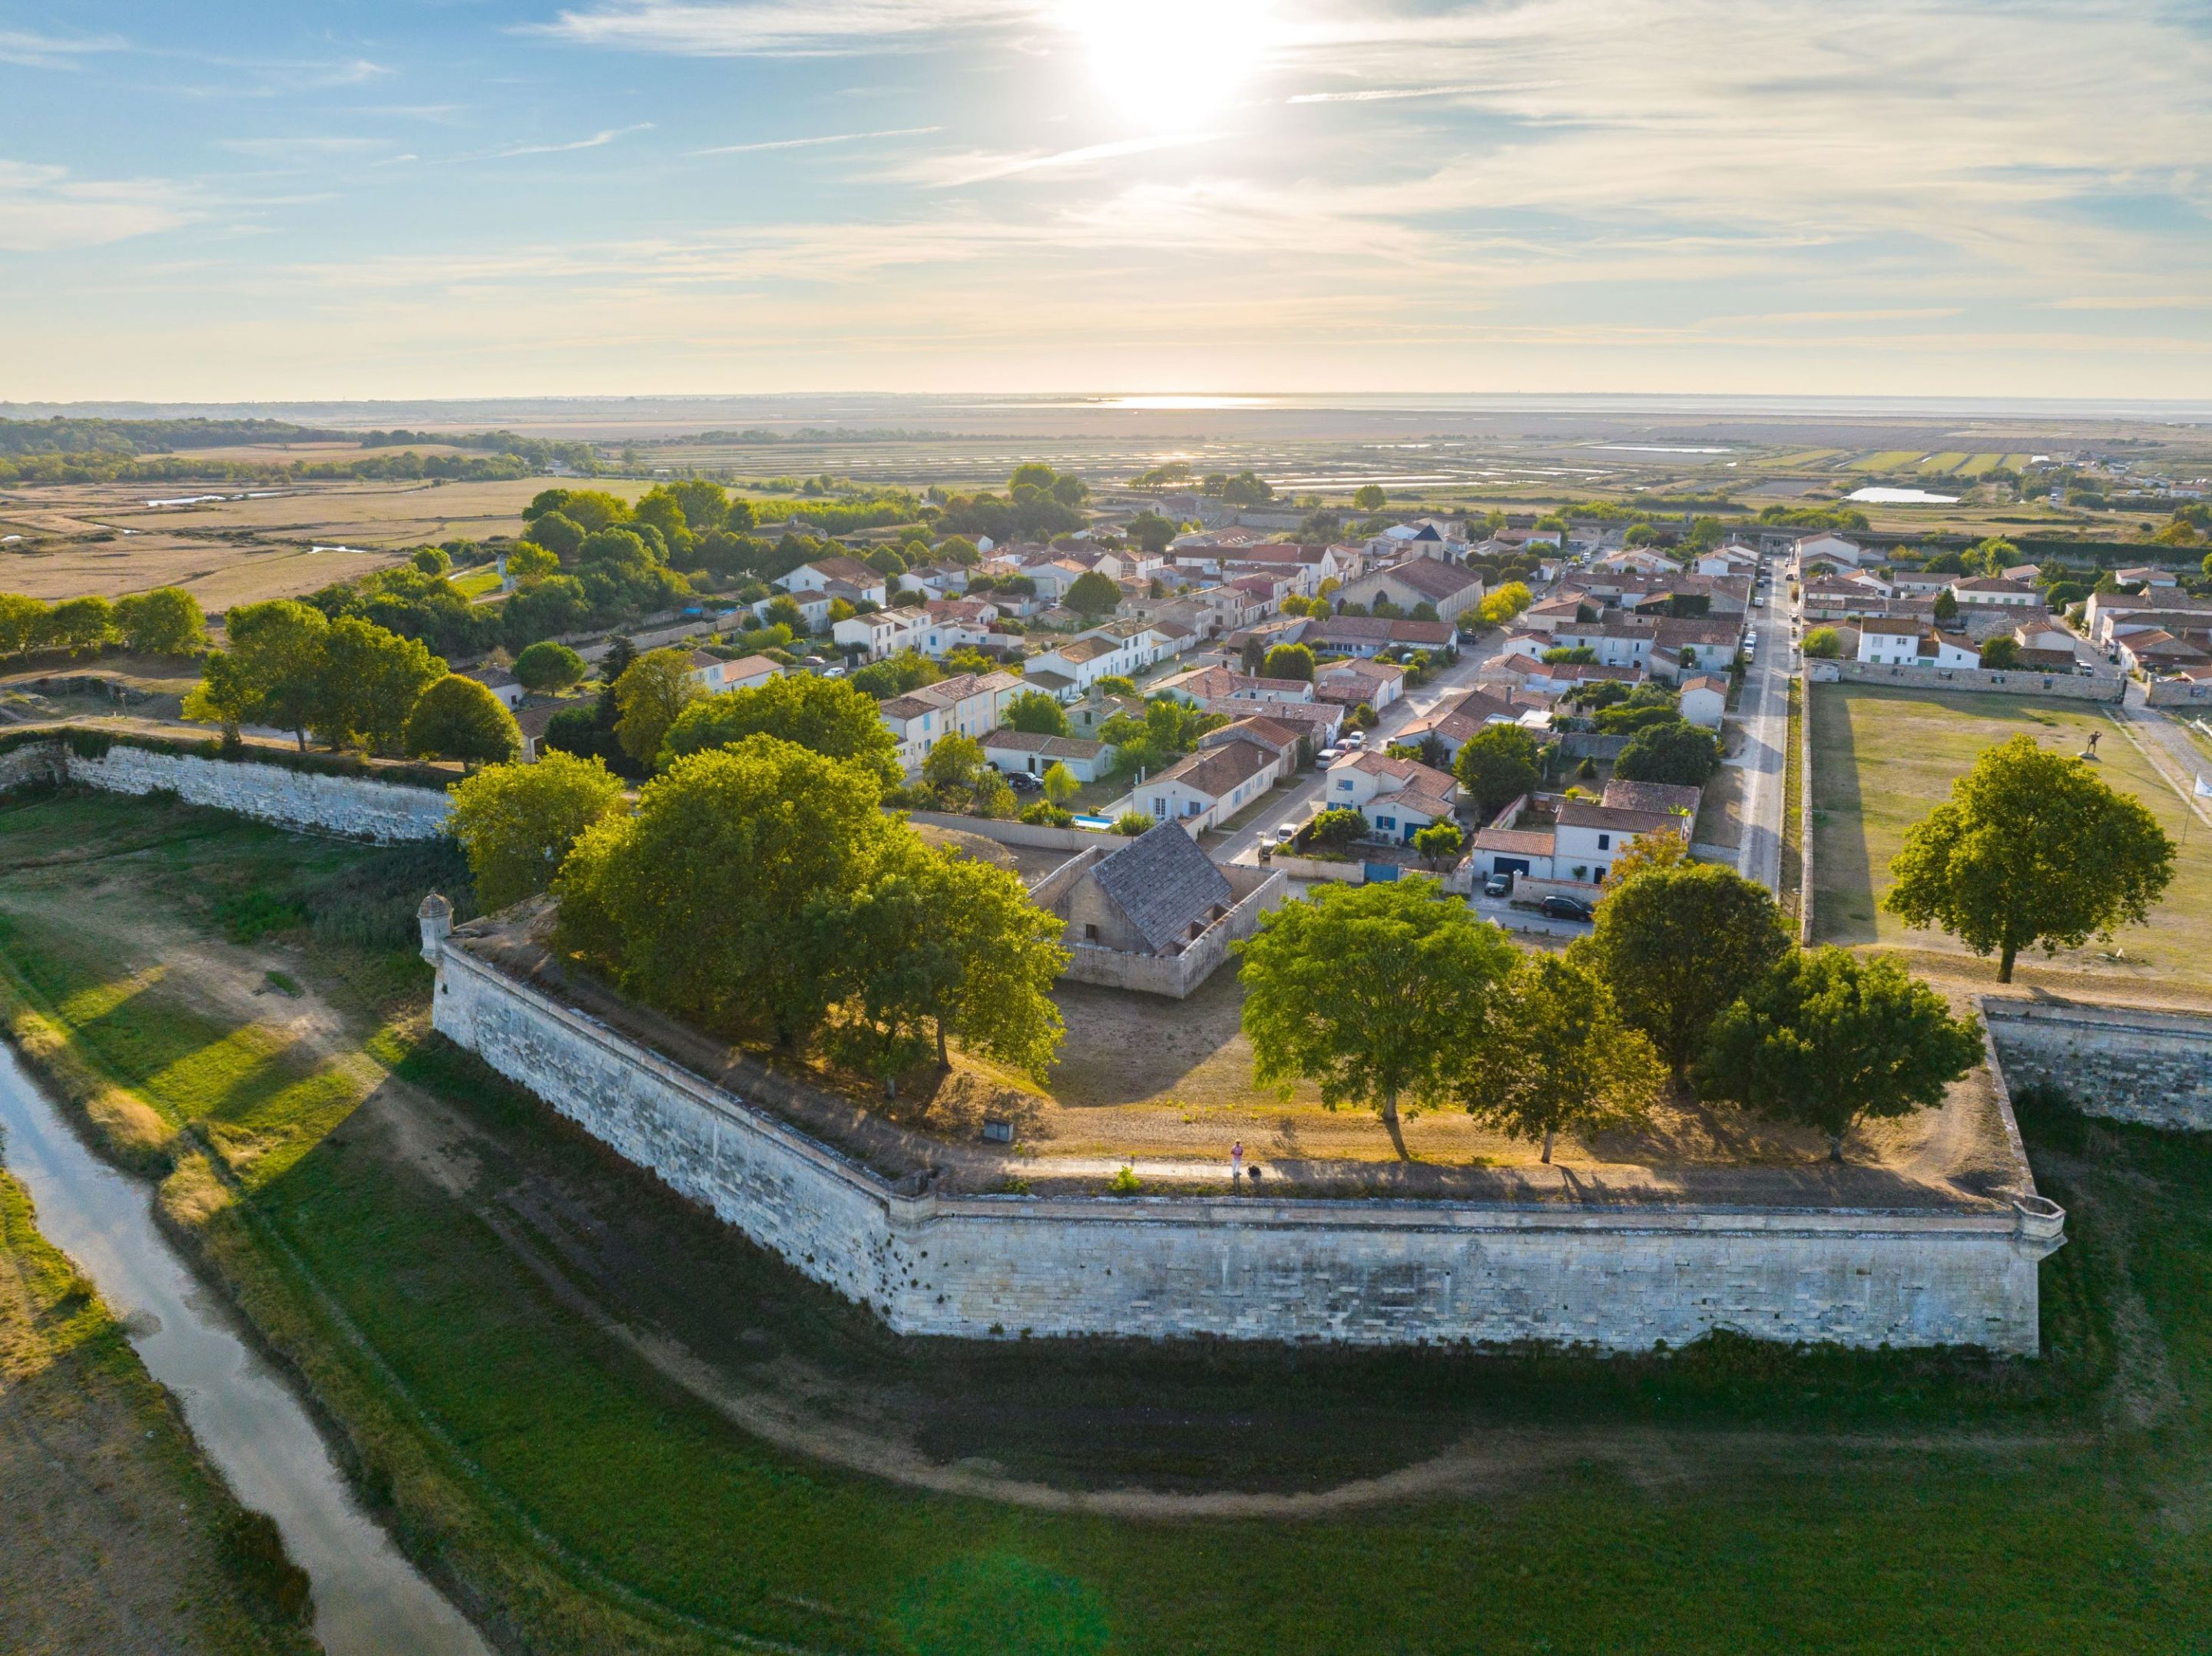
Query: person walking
{"x":1236,"y":1164}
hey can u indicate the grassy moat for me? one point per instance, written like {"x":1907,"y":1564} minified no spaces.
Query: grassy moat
{"x":610,"y":1423}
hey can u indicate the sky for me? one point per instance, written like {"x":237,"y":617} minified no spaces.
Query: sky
{"x":242,"y":199}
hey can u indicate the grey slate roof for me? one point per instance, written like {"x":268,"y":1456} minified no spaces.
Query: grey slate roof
{"x":1163,"y":882}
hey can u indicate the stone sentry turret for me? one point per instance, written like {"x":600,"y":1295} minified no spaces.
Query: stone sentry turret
{"x":436,"y":915}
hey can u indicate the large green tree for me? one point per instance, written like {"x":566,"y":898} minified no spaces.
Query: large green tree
{"x":166,"y":621}
{"x":651,"y":694}
{"x":271,"y":672}
{"x":1827,"y":1040}
{"x":2032,"y":847}
{"x":1555,"y":1055}
{"x":823,"y":716}
{"x":77,"y":624}
{"x":1677,"y":946}
{"x":457,"y":718}
{"x":1037,"y":714}
{"x":1497,"y":765}
{"x":1092,"y":593}
{"x":517,"y":822}
{"x":1366,"y":991}
{"x":1288,"y":661}
{"x":1674,"y":750}
{"x":21,"y":619}
{"x":369,"y":682}
{"x":547,"y":668}
{"x":697,"y":901}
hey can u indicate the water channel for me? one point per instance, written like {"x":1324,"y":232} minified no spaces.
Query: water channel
{"x":369,"y":1600}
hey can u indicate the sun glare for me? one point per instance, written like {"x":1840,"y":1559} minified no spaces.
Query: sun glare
{"x":1171,"y":64}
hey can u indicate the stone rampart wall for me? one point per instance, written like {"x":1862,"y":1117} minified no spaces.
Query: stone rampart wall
{"x":356,"y":806}
{"x":2129,"y":1065}
{"x":2179,"y":693}
{"x":1383,"y":1272}
{"x":2066,"y":686}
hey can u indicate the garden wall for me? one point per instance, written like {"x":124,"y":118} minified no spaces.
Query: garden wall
{"x":1615,"y":1277}
{"x":2066,"y":686}
{"x":356,"y":806}
{"x":2155,"y":1067}
{"x":2178,"y":692}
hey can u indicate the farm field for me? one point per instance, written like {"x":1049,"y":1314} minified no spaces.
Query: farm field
{"x":1949,"y":460}
{"x":1977,"y":465}
{"x":617,"y":1426}
{"x":1887,"y":460}
{"x":1883,"y":758}
{"x":109,"y":539}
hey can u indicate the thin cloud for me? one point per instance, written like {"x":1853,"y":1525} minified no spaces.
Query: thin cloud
{"x":808,"y":143}
{"x":43,"y":209}
{"x":1378,"y":95}
{"x":951,"y":172}
{"x":302,"y":146}
{"x":29,"y":50}
{"x":596,"y":141}
{"x":782,"y":28}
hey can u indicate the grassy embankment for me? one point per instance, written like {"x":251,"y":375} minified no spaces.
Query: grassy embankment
{"x":1883,"y":758}
{"x":114,"y":1534}
{"x":420,"y":1241}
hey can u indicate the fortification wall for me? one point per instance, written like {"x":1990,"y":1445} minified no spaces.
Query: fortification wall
{"x":1618,"y":1276}
{"x":2179,"y":693}
{"x":2153,"y":1067}
{"x":356,"y":806}
{"x":2065,"y":686}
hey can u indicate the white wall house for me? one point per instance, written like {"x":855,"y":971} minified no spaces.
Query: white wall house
{"x":1993,"y":589}
{"x":966,"y":704}
{"x":825,"y":572}
{"x":880,"y":633}
{"x":1397,"y":797}
{"x":1703,"y":700}
{"x":1890,"y":644}
{"x":1211,"y":785}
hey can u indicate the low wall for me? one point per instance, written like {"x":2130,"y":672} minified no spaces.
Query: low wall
{"x":2155,"y":1067}
{"x":1614,"y":1276}
{"x":1590,"y":744}
{"x":1258,"y":891}
{"x":2178,"y":692}
{"x":2066,"y":686}
{"x":1353,"y":873}
{"x":356,"y":806}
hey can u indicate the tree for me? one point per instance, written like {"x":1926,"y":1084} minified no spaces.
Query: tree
{"x":549,"y":669}
{"x":77,"y":624}
{"x":1439,"y":842}
{"x":368,"y":683}
{"x":649,"y":696}
{"x":2000,"y":652}
{"x":1677,"y":946}
{"x":1288,"y":661}
{"x":166,"y":621}
{"x":516,"y":822}
{"x":555,"y":532}
{"x":1362,"y":990}
{"x":457,"y":718}
{"x":696,"y":901}
{"x":1823,"y":643}
{"x":1677,"y":752}
{"x":1370,"y":497}
{"x":431,"y":560}
{"x":271,"y":674}
{"x":935,"y":943}
{"x":1502,"y":606}
{"x":823,"y":716}
{"x":530,"y":564}
{"x":1092,"y":593}
{"x":1555,"y":1055}
{"x":959,"y":772}
{"x":1828,"y":1040}
{"x":1497,"y":765}
{"x":23,"y":619}
{"x":1059,"y":783}
{"x":1946,"y":605}
{"x":1645,"y":851}
{"x":1035,"y":714}
{"x":2031,"y":847}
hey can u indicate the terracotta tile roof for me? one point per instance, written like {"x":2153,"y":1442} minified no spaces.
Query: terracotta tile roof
{"x":1215,"y":772}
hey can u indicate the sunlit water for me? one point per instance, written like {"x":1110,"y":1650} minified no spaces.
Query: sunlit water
{"x":369,"y":1601}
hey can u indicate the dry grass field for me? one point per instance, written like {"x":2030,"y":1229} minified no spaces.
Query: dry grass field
{"x":112,"y":539}
{"x":1883,"y":758}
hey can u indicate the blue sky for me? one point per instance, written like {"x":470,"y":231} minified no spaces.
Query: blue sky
{"x":243,"y":198}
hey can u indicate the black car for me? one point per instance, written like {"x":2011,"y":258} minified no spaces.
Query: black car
{"x":1022,"y":782}
{"x":1565,"y":908}
{"x":1499,"y":885}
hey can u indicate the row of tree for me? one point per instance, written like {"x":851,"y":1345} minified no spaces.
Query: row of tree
{"x":166,"y":621}
{"x":1397,"y":997}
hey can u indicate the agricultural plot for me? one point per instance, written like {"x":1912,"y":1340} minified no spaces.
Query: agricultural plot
{"x":1887,"y":460}
{"x":1938,"y":465}
{"x":1883,"y":758}
{"x":1980,"y":465}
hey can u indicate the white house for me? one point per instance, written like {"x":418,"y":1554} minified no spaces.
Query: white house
{"x":1703,"y":700}
{"x":1890,"y":644}
{"x":1211,"y":785}
{"x":881,"y":632}
{"x":2145,"y":575}
{"x":1356,"y":679}
{"x":1993,"y":589}
{"x":1549,"y":837}
{"x":813,"y":609}
{"x":1827,"y":547}
{"x":501,"y":682}
{"x":1733,"y":558}
{"x":966,"y":704}
{"x":827,"y":573}
{"x":1202,"y":686}
{"x":1021,"y":751}
{"x":1397,"y":797}
{"x":713,"y":675}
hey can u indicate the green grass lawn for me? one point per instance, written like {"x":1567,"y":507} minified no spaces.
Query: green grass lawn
{"x":1730,"y":1498}
{"x":1883,"y":758}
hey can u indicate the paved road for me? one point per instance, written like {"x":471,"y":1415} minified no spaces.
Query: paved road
{"x":1294,"y":805}
{"x":1763,"y":710}
{"x":2169,"y":748}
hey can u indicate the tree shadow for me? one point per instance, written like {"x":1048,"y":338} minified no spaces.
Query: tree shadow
{"x":1843,"y":893}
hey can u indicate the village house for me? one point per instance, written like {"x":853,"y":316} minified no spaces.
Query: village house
{"x":1448,"y":587}
{"x":1356,"y":679}
{"x":1397,"y":797}
{"x":1457,"y":719}
{"x":1826,"y":546}
{"x":1368,"y":635}
{"x":966,"y":704}
{"x":880,"y":633}
{"x":501,"y":682}
{"x":835,"y":577}
{"x":1203,"y":686}
{"x":1991,"y":589}
{"x":1910,"y":643}
{"x":713,"y":675}
{"x":1703,"y":700}
{"x":2145,"y":575}
{"x":1552,"y":837}
{"x":1033,"y":755}
{"x":1210,"y":786}
{"x":2155,"y":651}
{"x":1285,"y":741}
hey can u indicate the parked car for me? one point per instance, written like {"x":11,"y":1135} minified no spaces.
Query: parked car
{"x":1331,"y":755}
{"x":1022,"y":782}
{"x":1557,"y":907}
{"x":1354,"y":739}
{"x":1285,"y":833}
{"x":1499,"y":885}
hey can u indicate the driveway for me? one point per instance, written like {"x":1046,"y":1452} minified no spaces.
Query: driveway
{"x":1763,"y":713}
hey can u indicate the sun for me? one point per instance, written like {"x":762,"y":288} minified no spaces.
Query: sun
{"x":1170,"y":65}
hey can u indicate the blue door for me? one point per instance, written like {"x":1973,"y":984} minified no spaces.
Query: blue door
{"x":1381,"y":871}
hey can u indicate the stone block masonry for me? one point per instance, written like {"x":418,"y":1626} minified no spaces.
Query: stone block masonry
{"x":2121,"y":1063}
{"x":1618,"y":1276}
{"x":356,"y":806}
{"x":2013,"y":681}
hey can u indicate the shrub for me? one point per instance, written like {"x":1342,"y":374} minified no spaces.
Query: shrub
{"x":548,"y":668}
{"x":1133,"y":822}
{"x":1045,"y":814}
